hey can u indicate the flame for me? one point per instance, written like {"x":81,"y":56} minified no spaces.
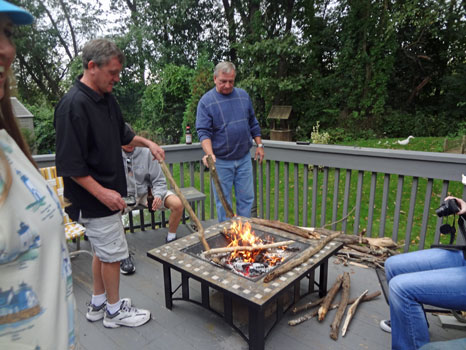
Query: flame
{"x":240,"y":234}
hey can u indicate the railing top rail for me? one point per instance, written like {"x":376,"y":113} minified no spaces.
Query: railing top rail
{"x":446,"y":166}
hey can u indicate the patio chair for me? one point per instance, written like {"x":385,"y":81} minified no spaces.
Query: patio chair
{"x":73,"y":230}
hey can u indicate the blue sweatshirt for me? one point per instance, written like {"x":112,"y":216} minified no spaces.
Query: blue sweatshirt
{"x":228,"y":121}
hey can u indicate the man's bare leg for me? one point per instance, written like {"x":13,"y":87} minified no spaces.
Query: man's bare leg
{"x":175,"y":205}
{"x":98,"y":283}
{"x":111,"y":280}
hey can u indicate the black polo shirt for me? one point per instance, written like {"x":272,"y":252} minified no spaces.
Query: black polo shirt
{"x":89,"y":133}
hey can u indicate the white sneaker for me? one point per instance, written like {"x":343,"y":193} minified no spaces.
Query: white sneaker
{"x":127,"y":316}
{"x":96,"y":313}
{"x":386,"y":326}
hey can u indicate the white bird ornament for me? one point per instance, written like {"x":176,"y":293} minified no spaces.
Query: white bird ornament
{"x":463,"y":179}
{"x":406,"y":141}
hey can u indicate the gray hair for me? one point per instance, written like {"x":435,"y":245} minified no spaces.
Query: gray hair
{"x":224,"y":67}
{"x":101,"y":51}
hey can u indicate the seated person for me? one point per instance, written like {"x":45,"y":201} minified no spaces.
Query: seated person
{"x":435,"y":277}
{"x":141,"y":172}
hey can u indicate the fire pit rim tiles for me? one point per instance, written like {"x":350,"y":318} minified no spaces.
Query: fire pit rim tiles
{"x":255,"y":291}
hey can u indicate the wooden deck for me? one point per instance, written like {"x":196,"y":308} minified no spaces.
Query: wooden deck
{"x":189,"y":326}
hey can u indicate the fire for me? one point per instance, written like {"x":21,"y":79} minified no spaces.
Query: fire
{"x":240,"y":234}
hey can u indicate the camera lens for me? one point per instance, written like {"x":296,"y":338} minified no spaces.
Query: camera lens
{"x":447,"y":208}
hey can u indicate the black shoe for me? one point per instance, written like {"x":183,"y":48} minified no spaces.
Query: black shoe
{"x":127,"y":266}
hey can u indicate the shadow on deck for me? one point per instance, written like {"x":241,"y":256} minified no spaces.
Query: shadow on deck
{"x":189,"y":326}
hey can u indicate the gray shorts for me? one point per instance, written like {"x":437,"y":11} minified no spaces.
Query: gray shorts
{"x":107,"y":237}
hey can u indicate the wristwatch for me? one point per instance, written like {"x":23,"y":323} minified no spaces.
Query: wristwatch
{"x":260,"y":145}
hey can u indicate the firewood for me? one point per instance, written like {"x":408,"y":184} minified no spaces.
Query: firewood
{"x":186,"y":205}
{"x":307,"y":254}
{"x":314,"y":313}
{"x":329,"y":298}
{"x":249,"y":248}
{"x":286,"y":227}
{"x":342,"y":307}
{"x":218,"y":187}
{"x":351,"y":312}
{"x":307,"y":306}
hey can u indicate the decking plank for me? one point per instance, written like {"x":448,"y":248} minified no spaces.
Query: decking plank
{"x":189,"y":326}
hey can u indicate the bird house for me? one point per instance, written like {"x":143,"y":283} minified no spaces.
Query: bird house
{"x":280,"y":130}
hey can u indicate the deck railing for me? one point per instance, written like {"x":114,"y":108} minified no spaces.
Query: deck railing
{"x":385,"y":192}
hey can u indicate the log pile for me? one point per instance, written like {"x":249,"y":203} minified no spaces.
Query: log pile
{"x":365,"y":251}
{"x":326,"y":304}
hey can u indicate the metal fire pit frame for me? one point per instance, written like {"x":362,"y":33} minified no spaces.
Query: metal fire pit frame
{"x":256,"y":295}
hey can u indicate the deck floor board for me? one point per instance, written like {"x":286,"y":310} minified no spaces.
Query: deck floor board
{"x":189,"y":326}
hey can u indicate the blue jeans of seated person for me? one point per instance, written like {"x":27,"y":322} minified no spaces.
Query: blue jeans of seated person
{"x":435,"y":277}
{"x":237,"y":173}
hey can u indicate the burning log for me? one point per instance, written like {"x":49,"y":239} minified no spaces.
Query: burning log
{"x":190,"y":210}
{"x":298,"y":261}
{"x":329,"y":298}
{"x":351,"y":312}
{"x":313,"y":314}
{"x":286,"y":227}
{"x":342,"y":307}
{"x":247,"y":248}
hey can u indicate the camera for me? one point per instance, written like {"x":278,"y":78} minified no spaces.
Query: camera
{"x":447,"y":208}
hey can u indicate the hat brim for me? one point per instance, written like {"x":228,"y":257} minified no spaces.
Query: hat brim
{"x":18,"y":15}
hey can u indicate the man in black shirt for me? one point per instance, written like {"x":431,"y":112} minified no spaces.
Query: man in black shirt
{"x":90,"y":131}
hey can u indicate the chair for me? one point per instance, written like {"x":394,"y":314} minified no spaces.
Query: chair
{"x":73,"y":230}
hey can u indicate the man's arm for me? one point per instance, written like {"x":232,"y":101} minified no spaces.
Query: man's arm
{"x":110,"y":198}
{"x":259,"y":150}
{"x":207,"y":147}
{"x":156,"y":150}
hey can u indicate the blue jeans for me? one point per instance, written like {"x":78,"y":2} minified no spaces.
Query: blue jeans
{"x":435,"y":277}
{"x":236,"y":173}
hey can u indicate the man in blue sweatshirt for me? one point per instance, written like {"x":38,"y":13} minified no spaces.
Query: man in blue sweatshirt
{"x":226,"y":125}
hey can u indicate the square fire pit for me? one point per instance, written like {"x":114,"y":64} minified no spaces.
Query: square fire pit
{"x":183,"y":256}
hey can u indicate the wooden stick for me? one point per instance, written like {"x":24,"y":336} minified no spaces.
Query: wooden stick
{"x":329,"y":298}
{"x":342,"y":307}
{"x":307,"y":254}
{"x":218,"y":187}
{"x":351,"y":312}
{"x":249,"y":248}
{"x":314,"y":313}
{"x":307,"y":306}
{"x":285,"y":227}
{"x":190,"y":210}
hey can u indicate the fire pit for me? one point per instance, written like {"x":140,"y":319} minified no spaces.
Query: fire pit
{"x":252,"y":265}
{"x":185,"y":256}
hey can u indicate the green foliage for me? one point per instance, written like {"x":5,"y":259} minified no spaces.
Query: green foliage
{"x":30,"y":139}
{"x":201,"y":82}
{"x":319,"y":137}
{"x":164,"y":103}
{"x":43,"y":127}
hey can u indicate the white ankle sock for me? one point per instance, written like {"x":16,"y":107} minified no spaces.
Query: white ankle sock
{"x":98,"y":300}
{"x":171,"y":236}
{"x":112,"y":308}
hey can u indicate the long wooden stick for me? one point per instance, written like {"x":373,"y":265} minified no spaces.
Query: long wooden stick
{"x":314,"y":313}
{"x":249,"y":248}
{"x":190,"y":210}
{"x":351,"y":312}
{"x":307,"y":306}
{"x":323,"y":309}
{"x":342,"y":307}
{"x":218,"y":187}
{"x":307,"y":254}
{"x":286,"y":227}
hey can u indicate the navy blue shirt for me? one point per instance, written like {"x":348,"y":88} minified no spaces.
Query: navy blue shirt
{"x":89,"y":133}
{"x":228,"y":121}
